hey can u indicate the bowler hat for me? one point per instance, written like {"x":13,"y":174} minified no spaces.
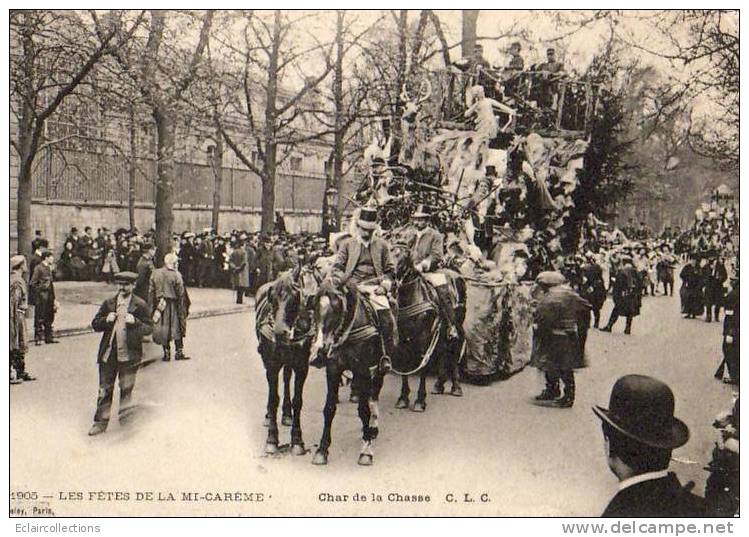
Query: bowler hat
{"x":367,"y":218}
{"x":642,"y":408}
{"x":125,"y":277}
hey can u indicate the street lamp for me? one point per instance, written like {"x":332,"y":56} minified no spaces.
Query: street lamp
{"x":331,"y":210}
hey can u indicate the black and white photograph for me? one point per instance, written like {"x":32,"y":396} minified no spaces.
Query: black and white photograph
{"x":374,"y":263}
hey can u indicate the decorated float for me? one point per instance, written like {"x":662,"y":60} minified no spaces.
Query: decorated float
{"x":496,"y":160}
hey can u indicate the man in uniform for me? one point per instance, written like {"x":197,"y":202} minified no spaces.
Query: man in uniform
{"x":18,"y":306}
{"x":43,"y":286}
{"x":731,"y":335}
{"x":426,"y":255}
{"x":124,"y":320}
{"x":640,"y":431}
{"x":627,"y":296}
{"x":364,"y":261}
{"x":561,"y":322}
{"x":171,"y":305}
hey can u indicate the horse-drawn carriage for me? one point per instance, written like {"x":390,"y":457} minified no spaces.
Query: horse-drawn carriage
{"x":469,"y":157}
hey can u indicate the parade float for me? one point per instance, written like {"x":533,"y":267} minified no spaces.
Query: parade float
{"x":495,"y":156}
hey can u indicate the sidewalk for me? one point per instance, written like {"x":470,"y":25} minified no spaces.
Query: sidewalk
{"x":79,"y":302}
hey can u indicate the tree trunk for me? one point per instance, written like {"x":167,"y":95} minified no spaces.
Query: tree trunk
{"x":271,"y":146}
{"x":468,"y":39}
{"x":217,"y":164}
{"x":269,"y":188}
{"x":335,"y":178}
{"x":23,"y":214}
{"x":165,"y":132}
{"x":132,"y":170}
{"x":400,"y":80}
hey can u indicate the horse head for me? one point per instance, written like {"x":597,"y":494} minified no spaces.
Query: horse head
{"x":402,"y":243}
{"x":331,"y":307}
{"x":290,"y":298}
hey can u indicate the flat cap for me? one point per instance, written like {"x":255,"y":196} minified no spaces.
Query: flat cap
{"x":550,"y":278}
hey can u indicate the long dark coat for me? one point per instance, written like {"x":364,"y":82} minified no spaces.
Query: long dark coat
{"x":627,"y":292}
{"x":561,"y":322}
{"x":715,"y":275}
{"x":664,"y":497}
{"x":692,"y":299}
{"x":593,"y":289}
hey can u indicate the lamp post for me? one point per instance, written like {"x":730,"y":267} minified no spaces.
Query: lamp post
{"x":330,"y":216}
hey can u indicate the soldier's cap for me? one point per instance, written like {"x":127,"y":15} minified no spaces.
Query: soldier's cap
{"x":550,"y":278}
{"x":125,"y":277}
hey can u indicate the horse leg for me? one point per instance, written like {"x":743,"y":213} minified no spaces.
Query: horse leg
{"x":442,"y":357}
{"x":364,"y":382}
{"x":333,"y":375}
{"x":300,"y":376}
{"x":402,"y":401}
{"x":271,"y":443}
{"x":286,"y":418}
{"x":420,"y":405}
{"x":453,"y":360}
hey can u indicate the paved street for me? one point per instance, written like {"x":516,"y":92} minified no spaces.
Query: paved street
{"x":199,"y":428}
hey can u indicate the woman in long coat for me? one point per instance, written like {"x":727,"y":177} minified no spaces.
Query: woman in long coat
{"x":692,"y":299}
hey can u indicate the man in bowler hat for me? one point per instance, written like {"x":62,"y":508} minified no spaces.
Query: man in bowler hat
{"x":640,"y":431}
{"x":124,"y":319}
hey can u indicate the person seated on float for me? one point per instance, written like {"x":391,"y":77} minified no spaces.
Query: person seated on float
{"x":426,"y":254}
{"x":364,"y":261}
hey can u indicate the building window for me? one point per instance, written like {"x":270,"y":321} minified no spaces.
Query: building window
{"x":295,"y":164}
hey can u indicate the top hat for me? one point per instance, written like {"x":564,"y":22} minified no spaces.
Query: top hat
{"x":367,"y":218}
{"x":422,"y":211}
{"x":125,"y":277}
{"x":642,"y":408}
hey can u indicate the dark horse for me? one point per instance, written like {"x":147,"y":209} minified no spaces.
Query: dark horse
{"x":348,"y":338}
{"x":285,"y":329}
{"x":423,"y":331}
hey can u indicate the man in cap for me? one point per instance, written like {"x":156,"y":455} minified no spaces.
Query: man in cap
{"x":364,"y":261}
{"x":171,"y":306}
{"x":238,"y":267}
{"x":124,"y":320}
{"x":18,"y":307}
{"x":426,"y":254}
{"x":665,"y":269}
{"x":640,"y":431}
{"x":593,"y":288}
{"x":561,"y":323}
{"x":144,"y":268}
{"x":714,"y":275}
{"x":43,"y":286}
{"x":627,"y":295}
